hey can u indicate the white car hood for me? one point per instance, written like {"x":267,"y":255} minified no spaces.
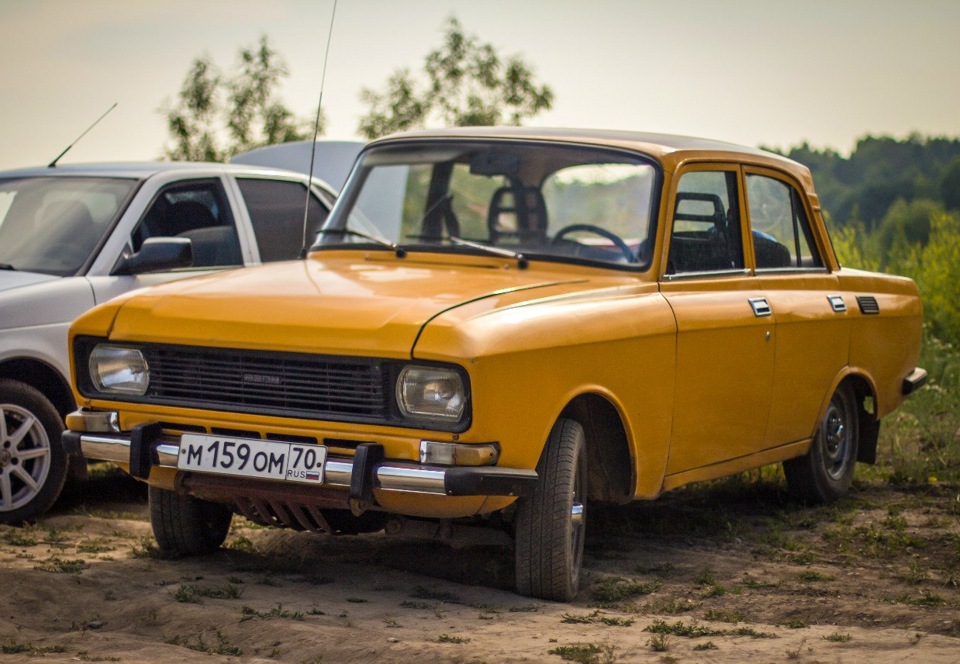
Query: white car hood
{"x":13,"y":279}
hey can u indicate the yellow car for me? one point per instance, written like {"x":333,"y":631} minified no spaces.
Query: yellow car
{"x":494,"y":328}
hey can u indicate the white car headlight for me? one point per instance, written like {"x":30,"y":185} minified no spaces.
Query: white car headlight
{"x":119,"y":370}
{"x":431,"y":393}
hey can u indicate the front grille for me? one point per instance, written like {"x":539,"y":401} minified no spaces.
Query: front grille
{"x":270,"y":383}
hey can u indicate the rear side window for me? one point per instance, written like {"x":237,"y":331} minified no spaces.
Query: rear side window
{"x":780,"y":230}
{"x":276,"y":212}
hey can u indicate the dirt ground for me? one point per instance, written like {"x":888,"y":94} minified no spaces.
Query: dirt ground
{"x":729,"y":572}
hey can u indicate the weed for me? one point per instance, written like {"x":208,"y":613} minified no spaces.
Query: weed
{"x":146,"y":547}
{"x":813,"y":577}
{"x":697,"y":631}
{"x":407,"y":604}
{"x":725,"y":616}
{"x":589,"y":653}
{"x":18,"y":538}
{"x":659,"y":643}
{"x":199,"y":645}
{"x":795,"y":654}
{"x":60,"y":566}
{"x":240,"y":543}
{"x":679,"y":629}
{"x":391,"y":623}
{"x":709,"y":645}
{"x":30,"y":650}
{"x":837,"y":637}
{"x":670,"y":607}
{"x":596,"y":617}
{"x":357,"y":600}
{"x":925,"y":599}
{"x":615,"y":589}
{"x":796,"y":623}
{"x":447,"y":638}
{"x":248,"y":613}
{"x":192,"y":593}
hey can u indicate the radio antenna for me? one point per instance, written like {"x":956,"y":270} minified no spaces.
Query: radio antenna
{"x":316,"y":131}
{"x":53,"y":164}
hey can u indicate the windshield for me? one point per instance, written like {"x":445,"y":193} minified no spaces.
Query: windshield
{"x":544,"y":201}
{"x":52,"y":224}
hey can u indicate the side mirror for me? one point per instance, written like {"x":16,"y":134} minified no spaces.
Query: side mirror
{"x":157,"y":253}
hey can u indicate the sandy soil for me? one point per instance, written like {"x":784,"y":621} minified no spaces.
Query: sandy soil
{"x":724,"y":573}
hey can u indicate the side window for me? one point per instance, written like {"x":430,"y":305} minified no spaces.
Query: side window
{"x":706,"y":224}
{"x":780,"y":230}
{"x":196,"y":211}
{"x":276,"y":212}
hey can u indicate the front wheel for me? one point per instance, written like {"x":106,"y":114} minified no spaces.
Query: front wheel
{"x":551,"y":524}
{"x":826,"y":471}
{"x":187,"y":526}
{"x":33,"y":464}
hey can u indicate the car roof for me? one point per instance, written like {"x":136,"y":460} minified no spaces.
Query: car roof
{"x":669,"y":149}
{"x":142,"y":170}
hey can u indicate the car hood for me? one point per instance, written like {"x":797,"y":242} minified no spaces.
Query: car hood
{"x":375,"y":306}
{"x":13,"y":279}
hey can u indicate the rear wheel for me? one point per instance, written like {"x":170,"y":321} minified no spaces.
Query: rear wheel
{"x":187,"y":526}
{"x":33,"y":464}
{"x":826,"y":471}
{"x":551,"y":524}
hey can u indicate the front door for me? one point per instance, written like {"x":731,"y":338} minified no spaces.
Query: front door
{"x":725,"y":326}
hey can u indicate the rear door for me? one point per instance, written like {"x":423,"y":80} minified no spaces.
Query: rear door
{"x":813,"y":324}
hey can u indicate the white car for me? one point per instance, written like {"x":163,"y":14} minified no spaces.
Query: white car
{"x":72,"y":237}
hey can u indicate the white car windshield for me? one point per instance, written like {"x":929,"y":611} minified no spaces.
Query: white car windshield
{"x":53,"y":224}
{"x":544,"y":201}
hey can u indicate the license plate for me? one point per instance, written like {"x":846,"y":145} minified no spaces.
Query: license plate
{"x":251,"y":457}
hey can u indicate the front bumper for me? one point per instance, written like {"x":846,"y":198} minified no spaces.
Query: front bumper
{"x":146,"y":447}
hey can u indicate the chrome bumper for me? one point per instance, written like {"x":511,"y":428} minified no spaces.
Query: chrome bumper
{"x":143,"y":449}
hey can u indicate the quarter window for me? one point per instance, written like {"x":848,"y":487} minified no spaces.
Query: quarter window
{"x":781,"y":232}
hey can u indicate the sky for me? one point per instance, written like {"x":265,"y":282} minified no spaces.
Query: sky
{"x":755,"y":72}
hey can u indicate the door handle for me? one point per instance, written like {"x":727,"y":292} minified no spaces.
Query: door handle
{"x":760,"y":306}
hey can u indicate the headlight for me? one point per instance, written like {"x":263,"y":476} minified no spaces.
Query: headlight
{"x":119,"y":370}
{"x":431,"y":393}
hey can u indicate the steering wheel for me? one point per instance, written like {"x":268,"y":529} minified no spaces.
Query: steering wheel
{"x":597,"y":230}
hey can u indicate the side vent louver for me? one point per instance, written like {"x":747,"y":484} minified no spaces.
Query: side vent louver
{"x":868,"y":304}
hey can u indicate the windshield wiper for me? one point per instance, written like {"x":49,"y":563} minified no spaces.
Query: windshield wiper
{"x":383,"y":242}
{"x":522,"y":261}
{"x":7,"y":266}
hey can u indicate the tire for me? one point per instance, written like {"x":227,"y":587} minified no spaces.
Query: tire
{"x":187,"y":526}
{"x":824,"y":474}
{"x":33,"y":464}
{"x":551,"y":525}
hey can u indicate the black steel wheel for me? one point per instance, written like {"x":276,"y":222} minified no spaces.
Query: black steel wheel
{"x":826,"y":471}
{"x":187,"y":526}
{"x":551,"y":524}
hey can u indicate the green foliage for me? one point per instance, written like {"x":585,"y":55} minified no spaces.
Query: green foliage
{"x":468,"y":84}
{"x":881,"y":170}
{"x":217,"y":116}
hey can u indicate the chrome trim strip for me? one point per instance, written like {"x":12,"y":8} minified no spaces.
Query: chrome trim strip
{"x":336,"y":473}
{"x":708,"y":273}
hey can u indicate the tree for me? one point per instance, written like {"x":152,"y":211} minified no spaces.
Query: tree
{"x":469,"y":85}
{"x":217,"y":116}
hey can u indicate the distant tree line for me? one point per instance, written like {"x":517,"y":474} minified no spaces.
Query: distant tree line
{"x":880,"y":171}
{"x":894,"y":206}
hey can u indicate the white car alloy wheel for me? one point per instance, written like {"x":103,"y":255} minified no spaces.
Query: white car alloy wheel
{"x":24,"y":456}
